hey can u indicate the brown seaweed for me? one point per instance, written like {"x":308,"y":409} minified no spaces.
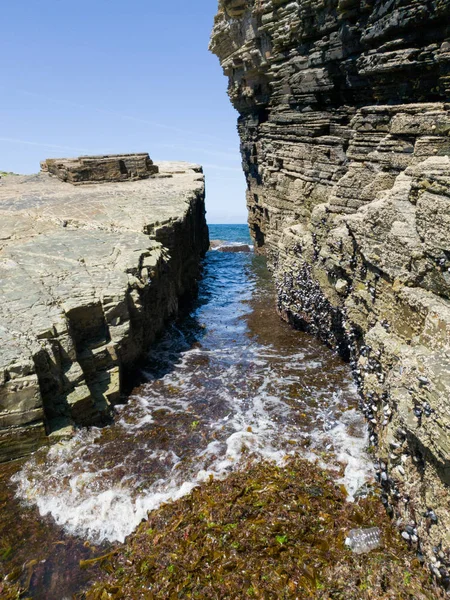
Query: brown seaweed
{"x":266,"y":532}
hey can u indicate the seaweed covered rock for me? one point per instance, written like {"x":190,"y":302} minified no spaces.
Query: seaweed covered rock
{"x":269,"y":532}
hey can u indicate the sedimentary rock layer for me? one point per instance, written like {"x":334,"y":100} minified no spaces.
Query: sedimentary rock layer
{"x":98,"y":169}
{"x":88,"y":277}
{"x":345,"y":131}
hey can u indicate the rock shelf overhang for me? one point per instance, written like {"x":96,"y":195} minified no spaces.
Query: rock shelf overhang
{"x":88,"y":277}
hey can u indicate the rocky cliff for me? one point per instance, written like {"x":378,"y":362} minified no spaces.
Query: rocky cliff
{"x":88,"y":277}
{"x":345,"y":139}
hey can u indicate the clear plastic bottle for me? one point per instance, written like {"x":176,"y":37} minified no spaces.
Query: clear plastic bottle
{"x":361,"y":541}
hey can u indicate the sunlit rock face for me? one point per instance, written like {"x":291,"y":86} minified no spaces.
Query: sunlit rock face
{"x":89,"y":275}
{"x":101,"y":169}
{"x":344,"y":127}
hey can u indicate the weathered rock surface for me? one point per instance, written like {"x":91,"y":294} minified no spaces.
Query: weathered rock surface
{"x":235,"y":248}
{"x":98,"y":169}
{"x":345,"y":142}
{"x":88,"y":277}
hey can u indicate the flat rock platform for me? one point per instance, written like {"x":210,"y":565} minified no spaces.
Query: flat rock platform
{"x":88,"y":277}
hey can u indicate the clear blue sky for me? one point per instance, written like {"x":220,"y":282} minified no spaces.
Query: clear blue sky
{"x":105,"y":76}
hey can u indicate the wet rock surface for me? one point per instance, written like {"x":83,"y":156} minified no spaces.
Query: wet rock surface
{"x":89,"y":276}
{"x":344,"y":128}
{"x":236,"y":248}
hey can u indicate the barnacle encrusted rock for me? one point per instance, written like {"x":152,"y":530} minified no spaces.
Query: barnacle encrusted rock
{"x":88,"y":277}
{"x":344,"y":129}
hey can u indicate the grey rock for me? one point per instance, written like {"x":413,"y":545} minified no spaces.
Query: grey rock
{"x":88,"y":277}
{"x":234,"y":248}
{"x":344,"y":126}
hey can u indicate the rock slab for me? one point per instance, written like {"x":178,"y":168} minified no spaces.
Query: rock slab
{"x":88,"y":277}
{"x":99,"y":169}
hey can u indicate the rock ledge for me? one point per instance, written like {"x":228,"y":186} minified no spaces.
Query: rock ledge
{"x":99,"y":169}
{"x":88,"y":277}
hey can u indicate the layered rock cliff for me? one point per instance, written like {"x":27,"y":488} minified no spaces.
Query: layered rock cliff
{"x":345,"y":139}
{"x":88,"y":277}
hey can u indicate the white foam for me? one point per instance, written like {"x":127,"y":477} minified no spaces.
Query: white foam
{"x":79,"y":502}
{"x":110,"y":515}
{"x":349,"y":451}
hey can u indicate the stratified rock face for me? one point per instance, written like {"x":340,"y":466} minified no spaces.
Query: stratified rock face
{"x":99,"y":169}
{"x":88,"y":277}
{"x":345,"y":131}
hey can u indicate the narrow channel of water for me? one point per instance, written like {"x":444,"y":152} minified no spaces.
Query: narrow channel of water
{"x":228,"y":381}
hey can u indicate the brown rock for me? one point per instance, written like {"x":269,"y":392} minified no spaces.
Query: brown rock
{"x":98,"y":169}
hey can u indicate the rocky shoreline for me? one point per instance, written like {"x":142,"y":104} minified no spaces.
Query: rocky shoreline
{"x":89,"y":276}
{"x":344,"y":132}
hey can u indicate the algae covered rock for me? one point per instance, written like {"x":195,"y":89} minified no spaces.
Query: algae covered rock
{"x":269,"y":532}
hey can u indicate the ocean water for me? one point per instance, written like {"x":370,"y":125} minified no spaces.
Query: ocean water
{"x":232,"y":234}
{"x":228,"y":382}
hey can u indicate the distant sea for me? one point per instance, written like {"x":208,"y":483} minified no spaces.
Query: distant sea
{"x":231,"y":233}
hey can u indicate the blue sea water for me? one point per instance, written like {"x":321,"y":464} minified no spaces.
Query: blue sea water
{"x":231,"y":233}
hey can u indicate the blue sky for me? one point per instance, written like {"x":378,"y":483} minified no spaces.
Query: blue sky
{"x":104,"y":76}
